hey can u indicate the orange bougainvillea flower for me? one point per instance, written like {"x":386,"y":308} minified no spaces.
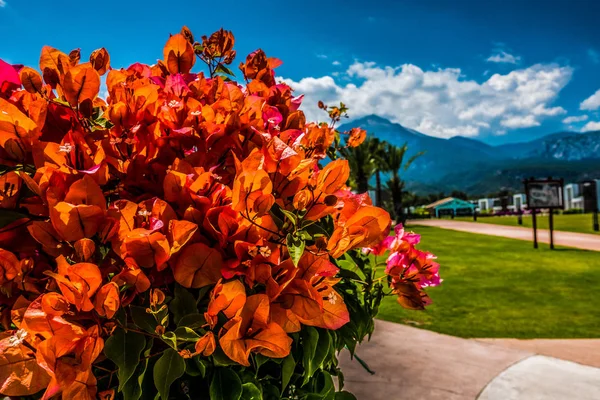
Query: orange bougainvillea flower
{"x":310,"y":297}
{"x":73,"y":222}
{"x":107,"y":300}
{"x":9,"y":266}
{"x":363,"y":229}
{"x":148,"y":248}
{"x":252,"y":193}
{"x":228,"y":298}
{"x":179,"y":55}
{"x":333,"y":177}
{"x":81,"y":83}
{"x":252,"y":332}
{"x":77,"y":282}
{"x":203,"y":215}
{"x":54,"y":304}
{"x":69,"y":361}
{"x":20,"y":374}
{"x":206,"y":345}
{"x":356,"y":137}
{"x":198,"y":266}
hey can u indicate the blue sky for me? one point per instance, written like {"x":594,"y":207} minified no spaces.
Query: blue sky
{"x":501,"y":71}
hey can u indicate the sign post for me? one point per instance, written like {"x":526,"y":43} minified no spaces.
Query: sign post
{"x":544,"y":194}
{"x":534,"y":224}
{"x":591,"y":201}
{"x":551,"y":227}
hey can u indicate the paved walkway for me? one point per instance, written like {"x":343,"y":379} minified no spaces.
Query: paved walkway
{"x":582,"y":351}
{"x":416,"y":364}
{"x":544,"y":378}
{"x":568,"y":239}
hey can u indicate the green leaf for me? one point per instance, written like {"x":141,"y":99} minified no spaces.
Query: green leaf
{"x":124,"y":349}
{"x":194,"y":321}
{"x":168,"y":368}
{"x":304,"y":235}
{"x":276,"y":219}
{"x":221,"y":360}
{"x":310,"y":339}
{"x":325,"y":383}
{"x":260,"y":360}
{"x":270,"y":391}
{"x":344,"y":273}
{"x":9,"y":216}
{"x":203,"y":292}
{"x":295,"y":248}
{"x":182,"y":304}
{"x":102,"y":123}
{"x":225,"y":385}
{"x":290,"y":215}
{"x":201,"y":364}
{"x":287,"y":369}
{"x":224,"y":70}
{"x":61,"y":102}
{"x":251,"y":392}
{"x":191,"y":368}
{"x":171,"y":339}
{"x":132,"y":390}
{"x":142,"y":319}
{"x":185,"y":334}
{"x":322,"y":350}
{"x":344,"y":396}
{"x":149,"y":391}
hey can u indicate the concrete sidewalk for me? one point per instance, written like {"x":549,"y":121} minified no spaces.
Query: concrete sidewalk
{"x":568,"y":239}
{"x":581,"y":351}
{"x":416,"y":364}
{"x":544,"y":378}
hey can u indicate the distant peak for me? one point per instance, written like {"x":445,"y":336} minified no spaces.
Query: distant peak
{"x":374,"y":119}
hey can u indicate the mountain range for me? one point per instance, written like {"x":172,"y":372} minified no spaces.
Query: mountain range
{"x":472,"y":166}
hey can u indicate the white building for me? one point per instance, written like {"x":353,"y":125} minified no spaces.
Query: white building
{"x":572,"y":197}
{"x":519,"y":202}
{"x":488,"y":205}
{"x":588,"y":195}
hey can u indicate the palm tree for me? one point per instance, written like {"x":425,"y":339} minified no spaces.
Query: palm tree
{"x":381,"y":165}
{"x":362,"y":162}
{"x":395,"y":162}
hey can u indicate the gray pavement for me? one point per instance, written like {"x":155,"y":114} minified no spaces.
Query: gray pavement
{"x":545,"y":378}
{"x":568,"y":239}
{"x":416,"y":364}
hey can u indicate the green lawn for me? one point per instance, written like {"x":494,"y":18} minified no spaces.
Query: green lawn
{"x":570,"y":222}
{"x":502,"y":288}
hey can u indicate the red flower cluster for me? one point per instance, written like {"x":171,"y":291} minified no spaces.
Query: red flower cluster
{"x":177,"y":181}
{"x":409,"y":270}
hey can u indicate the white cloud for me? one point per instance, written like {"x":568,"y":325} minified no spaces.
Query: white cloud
{"x":516,"y":121}
{"x":504,"y":57}
{"x":322,"y":56}
{"x":570,"y":120}
{"x":591,"y":126}
{"x":592,"y":102}
{"x":336,"y":63}
{"x":2,"y":3}
{"x":441,"y":102}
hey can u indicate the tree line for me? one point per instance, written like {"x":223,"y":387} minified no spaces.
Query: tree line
{"x":379,"y":159}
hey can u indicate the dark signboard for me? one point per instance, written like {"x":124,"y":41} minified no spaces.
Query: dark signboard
{"x":544,"y":193}
{"x":590,"y":196}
